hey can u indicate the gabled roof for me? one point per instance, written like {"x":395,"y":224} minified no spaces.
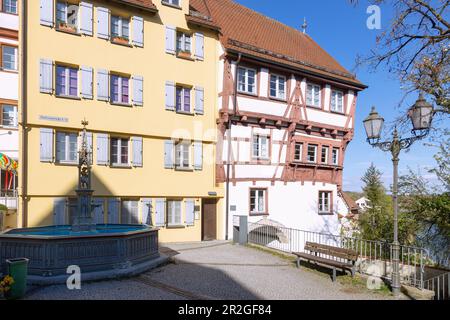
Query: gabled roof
{"x":246,"y":31}
{"x":349,"y":202}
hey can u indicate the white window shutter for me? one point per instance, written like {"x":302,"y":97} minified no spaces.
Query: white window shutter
{"x":87,"y":82}
{"x":86,"y":17}
{"x":46,"y":76}
{"x":47,"y":9}
{"x":199,"y":100}
{"x":137,"y":152}
{"x":147,"y":211}
{"x":138,"y":31}
{"x":199,"y":46}
{"x":113,"y":210}
{"x":138,"y":90}
{"x":190,"y":212}
{"x":170,"y":96}
{"x":46,"y":147}
{"x":102,"y":149}
{"x":103,"y":23}
{"x":170,"y":39}
{"x":160,"y":212}
{"x":102,"y":85}
{"x":168,"y":154}
{"x":59,"y":211}
{"x":198,"y":155}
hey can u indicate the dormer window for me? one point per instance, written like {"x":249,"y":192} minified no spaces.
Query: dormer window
{"x":120,"y":29}
{"x":66,"y":17}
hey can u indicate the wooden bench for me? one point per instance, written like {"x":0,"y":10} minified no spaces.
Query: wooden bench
{"x":328,"y":256}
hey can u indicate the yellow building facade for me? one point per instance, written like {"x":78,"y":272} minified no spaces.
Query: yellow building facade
{"x":144,"y":76}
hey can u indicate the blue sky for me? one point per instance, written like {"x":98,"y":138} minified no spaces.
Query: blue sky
{"x":341,"y":30}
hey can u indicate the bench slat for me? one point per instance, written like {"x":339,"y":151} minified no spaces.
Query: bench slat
{"x":325,"y":261}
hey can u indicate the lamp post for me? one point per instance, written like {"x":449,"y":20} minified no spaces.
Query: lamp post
{"x":421,"y":115}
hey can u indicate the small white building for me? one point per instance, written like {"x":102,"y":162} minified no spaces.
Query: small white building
{"x":363,"y":203}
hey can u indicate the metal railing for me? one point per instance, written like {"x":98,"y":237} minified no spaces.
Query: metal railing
{"x":440,"y":285}
{"x":373,"y":255}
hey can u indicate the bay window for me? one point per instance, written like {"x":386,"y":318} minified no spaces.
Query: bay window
{"x":325,"y":202}
{"x":120,"y":89}
{"x":277,"y":87}
{"x":9,"y":58}
{"x":312,"y":153}
{"x":337,"y":101}
{"x":119,"y":151}
{"x":324,"y":155}
{"x":66,"y":147}
{"x":66,"y":81}
{"x":313,"y":97}
{"x":335,"y":156}
{"x":260,"y":147}
{"x":298,"y":152}
{"x":258,"y":201}
{"x":246,"y":80}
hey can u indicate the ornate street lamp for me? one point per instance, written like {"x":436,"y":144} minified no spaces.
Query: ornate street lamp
{"x":421,"y":115}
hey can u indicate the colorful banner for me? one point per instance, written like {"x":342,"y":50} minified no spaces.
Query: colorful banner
{"x":8,"y":164}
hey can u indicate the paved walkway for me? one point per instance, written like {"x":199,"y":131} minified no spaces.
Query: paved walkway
{"x":215,"y":270}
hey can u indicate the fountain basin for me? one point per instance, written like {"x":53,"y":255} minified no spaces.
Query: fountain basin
{"x":107,"y":251}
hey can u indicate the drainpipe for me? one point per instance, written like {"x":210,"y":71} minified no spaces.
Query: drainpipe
{"x":23,"y":110}
{"x":227,"y":200}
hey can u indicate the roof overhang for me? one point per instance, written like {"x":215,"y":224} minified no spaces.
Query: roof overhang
{"x":148,"y":9}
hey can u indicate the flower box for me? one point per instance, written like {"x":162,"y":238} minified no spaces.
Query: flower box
{"x":184,"y":54}
{"x":66,"y":27}
{"x":121,"y":40}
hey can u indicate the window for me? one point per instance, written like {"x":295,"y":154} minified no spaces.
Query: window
{"x":277,"y":87}
{"x":312,"y":153}
{"x":183,"y":103}
{"x":130,"y":212}
{"x":313,"y":95}
{"x":247,"y":82}
{"x":120,"y":28}
{"x":183,"y":155}
{"x":66,"y":147}
{"x":324,"y":155}
{"x":324,"y":202}
{"x":66,"y":81}
{"x":258,"y":201}
{"x":260,"y":146}
{"x":335,"y":156}
{"x":120,"y":89}
{"x":184,"y":43}
{"x":172,"y":2}
{"x":298,"y":152}
{"x":119,"y":151}
{"x":9,"y":115}
{"x":337,"y":101}
{"x":9,"y":58}
{"x":10,"y":6}
{"x":174,"y":213}
{"x":66,"y":16}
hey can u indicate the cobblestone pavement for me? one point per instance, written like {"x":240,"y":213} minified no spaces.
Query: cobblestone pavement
{"x":216,"y":270}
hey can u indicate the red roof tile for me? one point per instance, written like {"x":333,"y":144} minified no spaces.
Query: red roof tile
{"x":144,"y":4}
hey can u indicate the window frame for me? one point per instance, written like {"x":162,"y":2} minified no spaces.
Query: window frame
{"x":171,"y":4}
{"x":327,"y":148}
{"x":277,"y":86}
{"x":185,"y":146}
{"x":321,"y":203}
{"x":246,"y":80}
{"x":7,"y":12}
{"x":316,"y":147}
{"x":73,"y":28}
{"x":314,"y":86}
{"x":259,"y":155}
{"x":119,"y":37}
{"x":120,"y":94}
{"x":301,"y":152}
{"x":16,"y":57}
{"x":336,"y":163}
{"x":332,"y":97}
{"x":184,"y":36}
{"x":171,"y":205}
{"x":119,"y":162}
{"x":67,"y":151}
{"x":183,"y":97}
{"x":67,"y":79}
{"x":257,"y":191}
{"x":15,"y":120}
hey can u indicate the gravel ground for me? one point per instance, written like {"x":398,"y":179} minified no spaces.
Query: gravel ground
{"x":216,"y":270}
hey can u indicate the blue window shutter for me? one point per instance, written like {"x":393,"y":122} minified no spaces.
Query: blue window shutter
{"x":199,"y":46}
{"x":99,"y":210}
{"x":46,"y":10}
{"x":198,"y":155}
{"x":170,"y":95}
{"x":59,"y":211}
{"x":199,"y":100}
{"x":103,"y":23}
{"x":170,"y":39}
{"x":102,"y":149}
{"x":147,"y":211}
{"x":160,"y":212}
{"x":86,"y":18}
{"x":190,"y":212}
{"x":113,"y":210}
{"x":46,"y":76}
{"x":168,"y":154}
{"x":87,"y":82}
{"x":138,"y":31}
{"x":46,"y":145}
{"x":137,"y":152}
{"x":102,"y":85}
{"x":138,"y":90}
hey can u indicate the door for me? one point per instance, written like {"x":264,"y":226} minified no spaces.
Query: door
{"x":209,"y":220}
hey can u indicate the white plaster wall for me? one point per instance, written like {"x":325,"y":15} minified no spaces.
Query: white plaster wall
{"x":9,"y":85}
{"x":267,"y":107}
{"x":9,"y":143}
{"x":9,"y":21}
{"x":351,"y":96}
{"x":326,"y":117}
{"x":255,"y":171}
{"x":264,"y":82}
{"x":327,"y":97}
